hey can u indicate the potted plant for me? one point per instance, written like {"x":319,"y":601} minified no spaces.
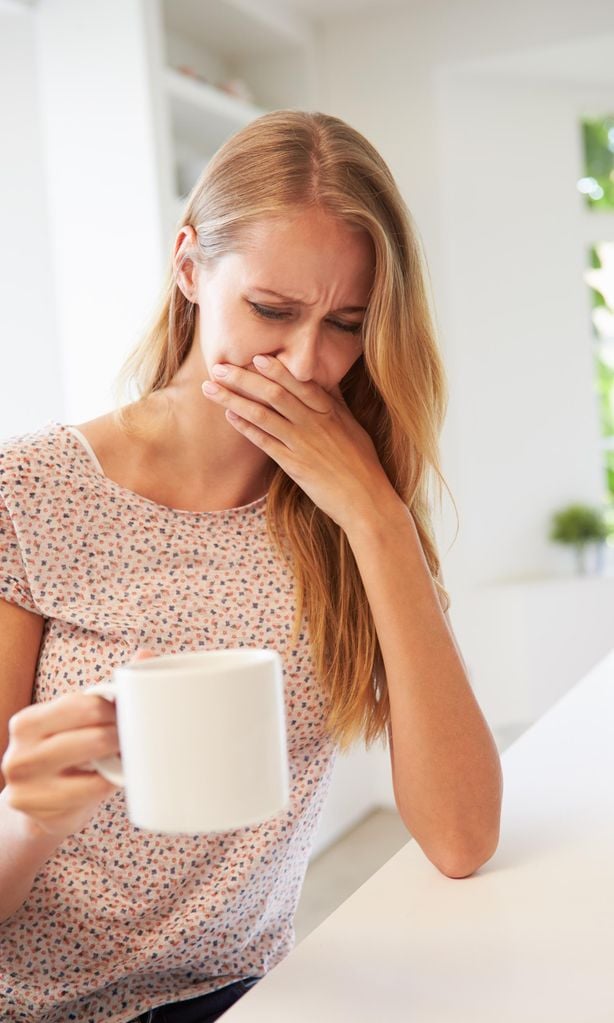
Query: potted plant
{"x":579,"y":525}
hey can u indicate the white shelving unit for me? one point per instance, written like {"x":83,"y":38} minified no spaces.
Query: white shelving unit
{"x":225,"y":63}
{"x":201,"y":118}
{"x":126,"y":134}
{"x":202,"y":113}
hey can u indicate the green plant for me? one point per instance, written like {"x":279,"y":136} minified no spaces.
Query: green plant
{"x":598,"y":139}
{"x":579,"y":524}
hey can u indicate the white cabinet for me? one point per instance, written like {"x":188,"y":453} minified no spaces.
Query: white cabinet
{"x":224,"y":63}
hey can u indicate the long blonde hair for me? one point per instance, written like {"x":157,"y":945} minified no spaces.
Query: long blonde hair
{"x":283,"y":161}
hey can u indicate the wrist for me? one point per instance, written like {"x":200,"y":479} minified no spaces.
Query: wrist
{"x":27,"y":831}
{"x":376,"y":516}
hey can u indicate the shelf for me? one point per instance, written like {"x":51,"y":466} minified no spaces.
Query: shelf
{"x":257,"y":42}
{"x":238,"y":28}
{"x":202,"y":116}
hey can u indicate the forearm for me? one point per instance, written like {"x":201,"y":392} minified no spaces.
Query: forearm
{"x":446,"y":767}
{"x":24,"y":850}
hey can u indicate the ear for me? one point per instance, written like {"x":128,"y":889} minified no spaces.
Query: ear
{"x":186,"y":270}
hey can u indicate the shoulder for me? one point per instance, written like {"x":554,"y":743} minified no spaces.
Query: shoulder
{"x":29,"y":477}
{"x":120,"y":442}
{"x":40,"y":473}
{"x":102,"y":431}
{"x":27,"y":459}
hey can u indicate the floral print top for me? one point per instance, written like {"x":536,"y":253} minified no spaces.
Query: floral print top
{"x":119,"y":919}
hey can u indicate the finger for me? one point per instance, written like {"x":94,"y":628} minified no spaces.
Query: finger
{"x":72,"y":791}
{"x":251,"y":385}
{"x":264,"y":418}
{"x":142,"y":654}
{"x":274,"y":386}
{"x":308,"y":391}
{"x":273,"y":447}
{"x":71,"y":710}
{"x":63,"y":750}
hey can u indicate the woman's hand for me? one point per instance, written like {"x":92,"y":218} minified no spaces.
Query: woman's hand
{"x":308,"y":431}
{"x":48,"y":743}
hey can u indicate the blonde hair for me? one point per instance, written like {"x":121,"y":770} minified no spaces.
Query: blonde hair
{"x":280,"y":162}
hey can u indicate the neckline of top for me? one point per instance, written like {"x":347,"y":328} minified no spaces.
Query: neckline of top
{"x":96,"y":469}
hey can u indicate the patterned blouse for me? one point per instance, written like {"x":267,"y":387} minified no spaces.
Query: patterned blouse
{"x":120,"y":920}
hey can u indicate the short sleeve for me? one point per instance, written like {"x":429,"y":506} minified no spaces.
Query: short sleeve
{"x":14,"y":585}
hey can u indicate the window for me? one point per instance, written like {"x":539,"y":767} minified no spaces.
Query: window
{"x":597,"y":188}
{"x":600,"y":278}
{"x":597,"y":185}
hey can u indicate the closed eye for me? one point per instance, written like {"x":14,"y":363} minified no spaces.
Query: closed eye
{"x":274,"y":314}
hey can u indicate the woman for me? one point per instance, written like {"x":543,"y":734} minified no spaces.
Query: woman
{"x":268,"y":488}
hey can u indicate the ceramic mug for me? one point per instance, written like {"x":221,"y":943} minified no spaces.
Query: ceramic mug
{"x":202,"y":738}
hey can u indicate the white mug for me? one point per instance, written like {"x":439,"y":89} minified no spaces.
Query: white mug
{"x":202,"y":738}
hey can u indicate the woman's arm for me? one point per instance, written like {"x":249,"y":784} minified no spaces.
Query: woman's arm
{"x":446,"y":770}
{"x":23,"y":848}
{"x":445,"y":764}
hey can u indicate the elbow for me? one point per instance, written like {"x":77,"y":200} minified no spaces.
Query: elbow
{"x":467,"y":863}
{"x":455,"y":859}
{"x":458,"y":870}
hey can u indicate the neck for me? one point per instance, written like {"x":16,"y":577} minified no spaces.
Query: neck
{"x":193,"y":439}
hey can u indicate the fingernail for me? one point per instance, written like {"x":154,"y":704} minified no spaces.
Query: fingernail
{"x":260,"y":361}
{"x":143,"y":654}
{"x":210,"y":387}
{"x":220,"y":371}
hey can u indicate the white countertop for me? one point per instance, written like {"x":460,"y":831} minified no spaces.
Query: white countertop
{"x":529,"y":938}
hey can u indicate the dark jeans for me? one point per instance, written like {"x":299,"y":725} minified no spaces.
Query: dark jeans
{"x":202,"y":1009}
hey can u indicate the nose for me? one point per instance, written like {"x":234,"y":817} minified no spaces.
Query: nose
{"x":301,"y":353}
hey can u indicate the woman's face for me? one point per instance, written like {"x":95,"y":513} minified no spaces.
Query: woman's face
{"x":321,"y":271}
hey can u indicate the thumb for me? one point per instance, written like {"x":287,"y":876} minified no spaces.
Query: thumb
{"x":142,"y":654}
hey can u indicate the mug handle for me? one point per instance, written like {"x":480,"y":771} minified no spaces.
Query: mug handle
{"x":109,"y":767}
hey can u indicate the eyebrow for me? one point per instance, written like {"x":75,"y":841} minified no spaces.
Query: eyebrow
{"x":297,"y":301}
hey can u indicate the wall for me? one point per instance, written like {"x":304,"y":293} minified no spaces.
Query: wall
{"x":100,"y":132}
{"x":518,"y":325}
{"x":486,"y":154}
{"x":31,"y":388}
{"x":517,"y":315}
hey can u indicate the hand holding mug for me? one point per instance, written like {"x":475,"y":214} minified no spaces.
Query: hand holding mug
{"x":203,"y":739}
{"x":42,"y":765}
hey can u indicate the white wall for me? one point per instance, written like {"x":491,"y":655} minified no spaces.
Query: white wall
{"x":475,"y":106}
{"x":517,"y":318}
{"x":30,"y":378}
{"x":100,"y":130}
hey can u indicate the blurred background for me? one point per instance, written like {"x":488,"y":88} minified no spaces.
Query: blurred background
{"x":497,"y":121}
